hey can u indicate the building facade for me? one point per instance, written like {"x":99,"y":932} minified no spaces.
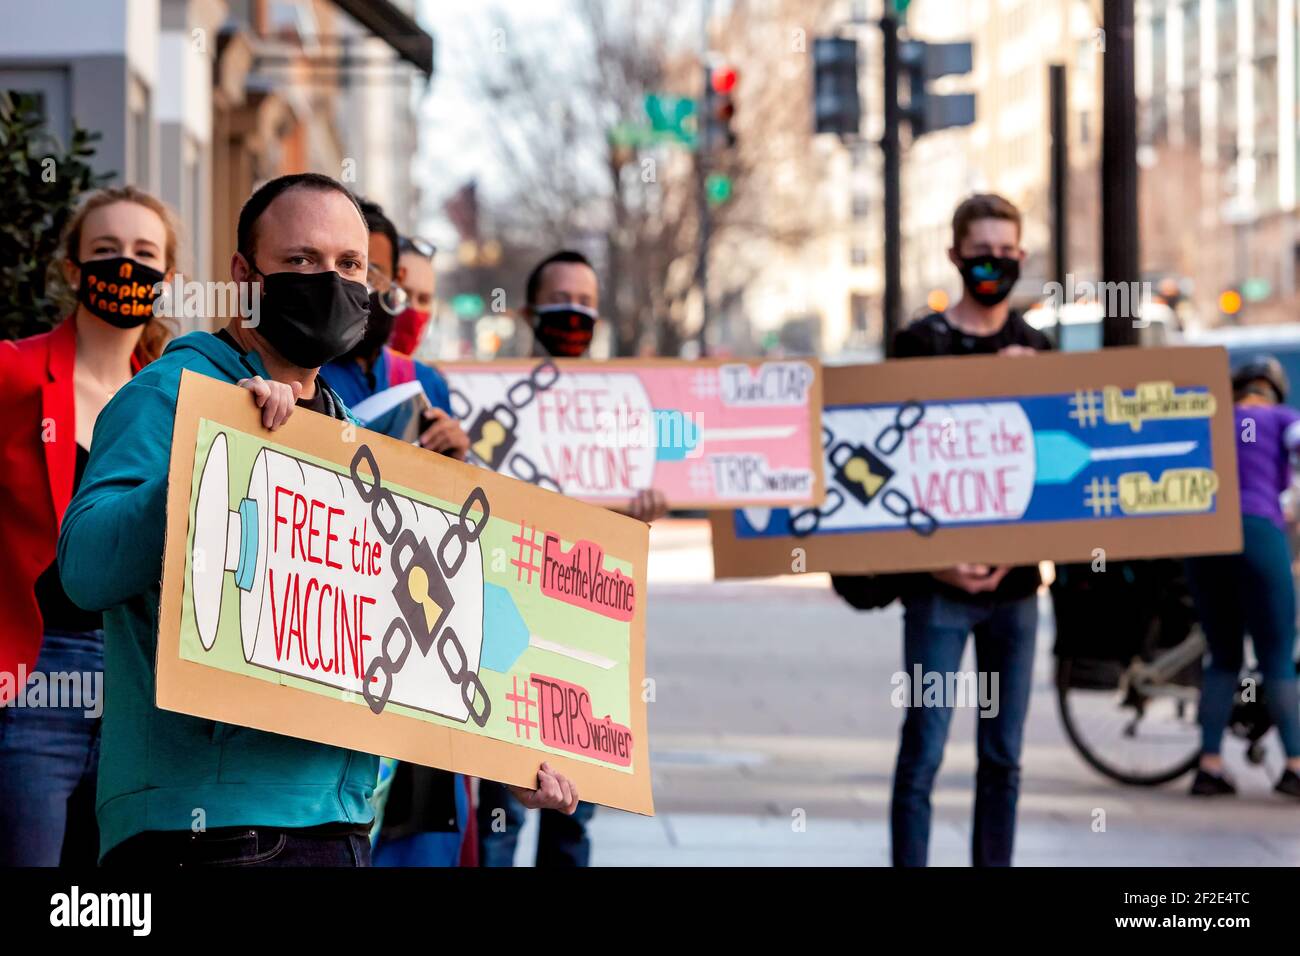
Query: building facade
{"x":198,"y":101}
{"x":1217,"y":97}
{"x":824,"y":293}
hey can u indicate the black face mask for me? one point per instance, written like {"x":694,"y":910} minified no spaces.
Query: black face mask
{"x":564,"y":330}
{"x":119,"y":290}
{"x":379,"y":326}
{"x":989,"y":278}
{"x":311,"y":318}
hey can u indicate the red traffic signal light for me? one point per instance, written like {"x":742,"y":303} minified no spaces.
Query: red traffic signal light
{"x":718,"y":109}
{"x":723,"y":80}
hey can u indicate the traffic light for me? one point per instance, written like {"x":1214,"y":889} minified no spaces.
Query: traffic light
{"x":836,"y":106}
{"x":717,"y":188}
{"x":720,"y":107}
{"x":921,"y":62}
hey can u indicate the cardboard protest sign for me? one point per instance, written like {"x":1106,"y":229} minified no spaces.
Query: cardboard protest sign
{"x":333,"y":584}
{"x":706,"y":433}
{"x":1009,"y":460}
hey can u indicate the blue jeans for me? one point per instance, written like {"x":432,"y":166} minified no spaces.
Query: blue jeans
{"x":49,"y":761}
{"x":562,"y":840}
{"x":1248,"y":592}
{"x":934,"y":636}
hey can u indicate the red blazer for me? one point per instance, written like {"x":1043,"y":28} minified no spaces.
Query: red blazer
{"x":38,"y":463}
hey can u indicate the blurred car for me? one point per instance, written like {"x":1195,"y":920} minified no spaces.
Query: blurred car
{"x":1244,"y":342}
{"x":1077,"y":326}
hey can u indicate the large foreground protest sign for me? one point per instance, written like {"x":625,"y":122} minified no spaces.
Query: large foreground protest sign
{"x":708,"y":434}
{"x":333,"y":584}
{"x":1125,"y":453}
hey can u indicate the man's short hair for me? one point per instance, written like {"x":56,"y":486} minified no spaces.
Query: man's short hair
{"x":535,"y":277}
{"x":982,"y":206}
{"x":376,"y":221}
{"x":265,"y":194}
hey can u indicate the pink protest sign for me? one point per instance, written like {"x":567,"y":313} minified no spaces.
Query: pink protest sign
{"x":579,"y":577}
{"x":708,"y":434}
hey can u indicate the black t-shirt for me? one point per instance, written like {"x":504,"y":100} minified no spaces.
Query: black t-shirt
{"x":321,"y":401}
{"x":58,"y":613}
{"x":933,"y":336}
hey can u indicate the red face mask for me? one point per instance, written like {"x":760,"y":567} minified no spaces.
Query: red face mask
{"x":408,"y":330}
{"x":565,"y":331}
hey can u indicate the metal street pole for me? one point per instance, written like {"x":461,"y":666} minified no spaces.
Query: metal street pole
{"x":892,"y":170}
{"x":890,"y":146}
{"x":1060,"y":172}
{"x":1119,"y":174}
{"x":701,"y":175}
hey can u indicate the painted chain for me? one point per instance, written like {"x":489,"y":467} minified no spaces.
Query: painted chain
{"x":387,"y":662}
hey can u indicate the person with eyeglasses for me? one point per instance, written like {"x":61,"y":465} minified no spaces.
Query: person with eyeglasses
{"x":372,"y":365}
{"x":416,"y":277}
{"x":426,"y":820}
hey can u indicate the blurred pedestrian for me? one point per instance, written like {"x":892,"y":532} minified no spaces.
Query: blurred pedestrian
{"x":416,"y":277}
{"x":999,"y":604}
{"x":372,"y":366}
{"x":562,"y":303}
{"x":426,"y":819}
{"x":1252,"y":592}
{"x":119,"y":246}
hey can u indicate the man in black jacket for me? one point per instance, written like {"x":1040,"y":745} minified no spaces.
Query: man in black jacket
{"x":998,"y":604}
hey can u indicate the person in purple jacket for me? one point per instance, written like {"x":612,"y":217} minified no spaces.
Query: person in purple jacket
{"x":1252,"y":592}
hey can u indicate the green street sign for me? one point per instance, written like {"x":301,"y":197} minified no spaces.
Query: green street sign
{"x":717,"y":188}
{"x":671,"y":117}
{"x":467,"y":305}
{"x":626,"y":134}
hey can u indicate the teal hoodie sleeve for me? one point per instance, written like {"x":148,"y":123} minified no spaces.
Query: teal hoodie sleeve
{"x":111,"y":541}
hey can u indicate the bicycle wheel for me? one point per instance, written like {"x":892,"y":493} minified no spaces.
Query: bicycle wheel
{"x":1133,"y":737}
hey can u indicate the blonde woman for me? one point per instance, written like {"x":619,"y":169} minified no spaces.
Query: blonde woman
{"x":120,"y":243}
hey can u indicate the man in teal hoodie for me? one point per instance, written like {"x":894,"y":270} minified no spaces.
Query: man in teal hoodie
{"x":178,"y":790}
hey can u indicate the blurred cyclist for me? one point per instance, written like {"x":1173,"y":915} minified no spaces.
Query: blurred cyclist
{"x":1252,"y":591}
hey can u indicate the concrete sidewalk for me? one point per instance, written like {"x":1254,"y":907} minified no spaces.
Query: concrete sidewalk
{"x":772,"y":706}
{"x":699,"y":839}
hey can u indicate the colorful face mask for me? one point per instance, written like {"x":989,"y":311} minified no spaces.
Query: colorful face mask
{"x":564,"y":330}
{"x":311,"y":318}
{"x":989,"y":278}
{"x":408,"y":330}
{"x":119,"y":290}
